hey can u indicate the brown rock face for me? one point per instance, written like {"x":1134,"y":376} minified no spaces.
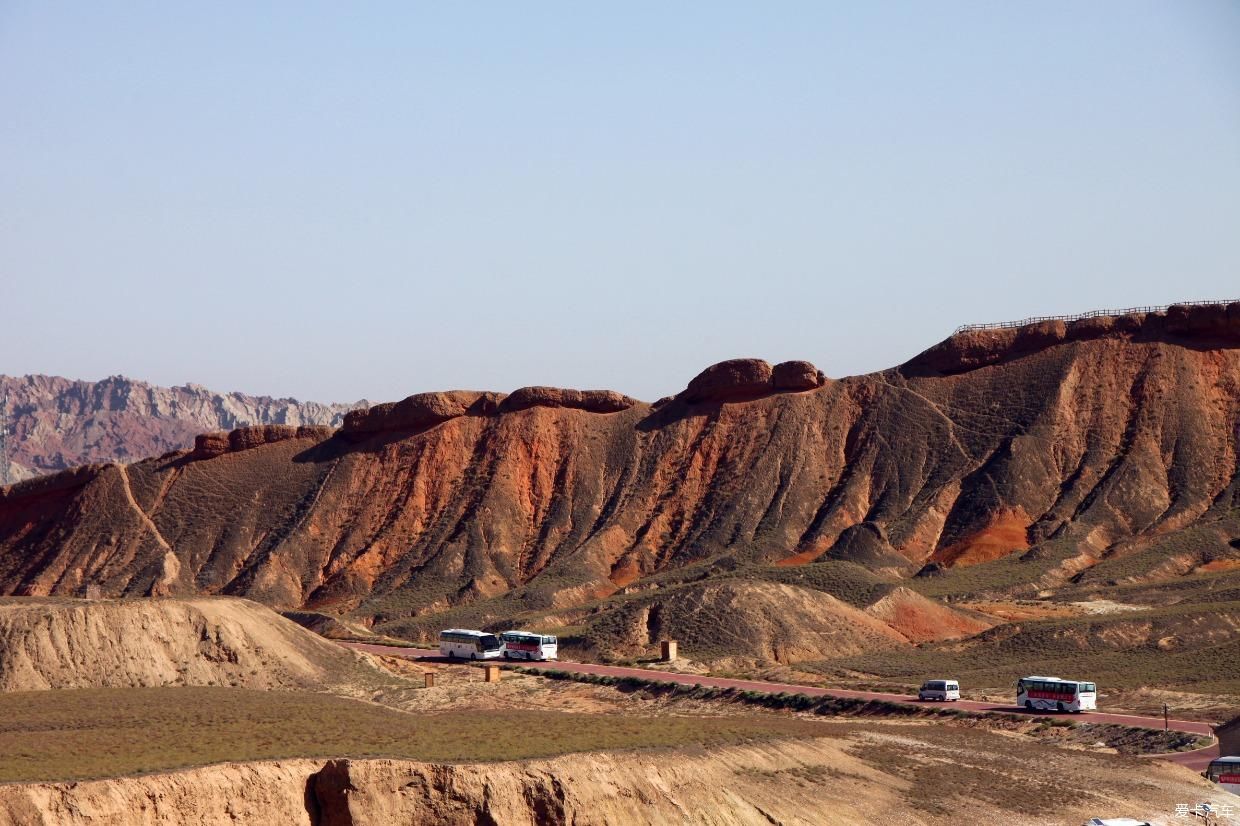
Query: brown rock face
{"x":420,"y":410}
{"x":210,"y":445}
{"x":728,"y":380}
{"x":57,"y":423}
{"x":1108,"y":453}
{"x":796,"y":375}
{"x":1211,"y":325}
{"x":429,"y":409}
{"x":594,"y":401}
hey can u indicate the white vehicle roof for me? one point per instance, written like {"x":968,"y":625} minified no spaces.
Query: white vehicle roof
{"x":1116,"y":821}
{"x":525,"y":633}
{"x":467,"y":631}
{"x":1235,"y":758}
{"x":1058,"y":680}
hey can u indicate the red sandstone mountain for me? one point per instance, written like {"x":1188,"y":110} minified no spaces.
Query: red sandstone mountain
{"x":58,"y":423}
{"x":1101,"y":449}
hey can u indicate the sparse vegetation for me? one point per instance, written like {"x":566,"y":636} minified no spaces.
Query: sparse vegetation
{"x":77,"y":734}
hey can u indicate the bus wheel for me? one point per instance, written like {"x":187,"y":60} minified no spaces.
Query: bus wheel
{"x":1059,"y":707}
{"x":473,"y":656}
{"x":1028,"y":705}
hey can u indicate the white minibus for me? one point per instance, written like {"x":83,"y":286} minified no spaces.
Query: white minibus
{"x":945,"y":690}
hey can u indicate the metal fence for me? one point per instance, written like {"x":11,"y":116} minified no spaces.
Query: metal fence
{"x":1003,"y":325}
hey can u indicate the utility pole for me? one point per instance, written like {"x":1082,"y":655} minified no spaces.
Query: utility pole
{"x":1165,"y":721}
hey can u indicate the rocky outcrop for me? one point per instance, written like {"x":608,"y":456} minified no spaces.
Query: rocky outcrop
{"x":421,"y":410}
{"x":58,"y":423}
{"x":1205,"y":325}
{"x":210,"y":445}
{"x":743,"y":379}
{"x":593,"y":401}
{"x":732,"y":379}
{"x":796,"y":375}
{"x":429,"y":409}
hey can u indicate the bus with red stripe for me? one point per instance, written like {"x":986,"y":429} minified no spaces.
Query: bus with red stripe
{"x":1053,"y":694}
{"x":1225,"y":771}
{"x":523,"y":645}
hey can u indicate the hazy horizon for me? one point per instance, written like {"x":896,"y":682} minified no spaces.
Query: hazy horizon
{"x":335,"y":203}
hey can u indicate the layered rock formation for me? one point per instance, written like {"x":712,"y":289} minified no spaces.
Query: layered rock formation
{"x":1051,"y":455}
{"x":57,"y":423}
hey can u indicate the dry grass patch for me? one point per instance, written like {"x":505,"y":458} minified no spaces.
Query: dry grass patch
{"x":90,"y":733}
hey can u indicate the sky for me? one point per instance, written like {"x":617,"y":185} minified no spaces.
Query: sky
{"x":340,"y":201}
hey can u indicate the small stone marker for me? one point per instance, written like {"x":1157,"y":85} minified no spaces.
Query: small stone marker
{"x":669,"y":650}
{"x":491,"y":673}
{"x":429,"y":676}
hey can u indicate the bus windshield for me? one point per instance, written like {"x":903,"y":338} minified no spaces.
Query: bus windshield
{"x":488,"y":642}
{"x":1224,"y":772}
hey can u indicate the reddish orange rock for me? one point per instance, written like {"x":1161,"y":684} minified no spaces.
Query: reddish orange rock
{"x":730,"y":380}
{"x":796,"y":375}
{"x":421,"y":410}
{"x":595,"y":401}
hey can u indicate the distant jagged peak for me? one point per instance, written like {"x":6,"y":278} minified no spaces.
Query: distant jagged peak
{"x":57,"y":423}
{"x":1205,"y":323}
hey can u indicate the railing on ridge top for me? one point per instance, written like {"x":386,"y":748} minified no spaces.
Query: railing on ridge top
{"x":1003,"y":325}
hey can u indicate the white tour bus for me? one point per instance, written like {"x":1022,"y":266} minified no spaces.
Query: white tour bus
{"x":522,"y":645}
{"x":1054,"y":694}
{"x":469,"y":645}
{"x":1225,"y":771}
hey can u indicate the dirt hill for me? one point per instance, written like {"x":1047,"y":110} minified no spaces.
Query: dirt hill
{"x":1012,"y":459}
{"x":63,"y":643}
{"x":58,"y":423}
{"x":761,"y":621}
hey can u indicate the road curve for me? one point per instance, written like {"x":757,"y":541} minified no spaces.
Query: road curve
{"x":1196,"y":760}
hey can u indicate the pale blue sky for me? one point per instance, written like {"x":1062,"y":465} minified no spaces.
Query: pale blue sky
{"x":342,"y":200}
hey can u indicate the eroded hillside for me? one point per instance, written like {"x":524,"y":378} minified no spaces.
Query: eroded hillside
{"x":1045,"y":453}
{"x":64,"y":643}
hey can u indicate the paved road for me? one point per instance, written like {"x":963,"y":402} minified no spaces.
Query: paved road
{"x":1196,"y":760}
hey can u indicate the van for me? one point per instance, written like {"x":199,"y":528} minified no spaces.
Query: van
{"x":939,"y":690}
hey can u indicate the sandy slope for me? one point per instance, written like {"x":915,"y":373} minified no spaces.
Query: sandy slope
{"x":63,"y":643}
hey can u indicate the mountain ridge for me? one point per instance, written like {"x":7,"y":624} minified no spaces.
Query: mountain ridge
{"x":1090,"y":458}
